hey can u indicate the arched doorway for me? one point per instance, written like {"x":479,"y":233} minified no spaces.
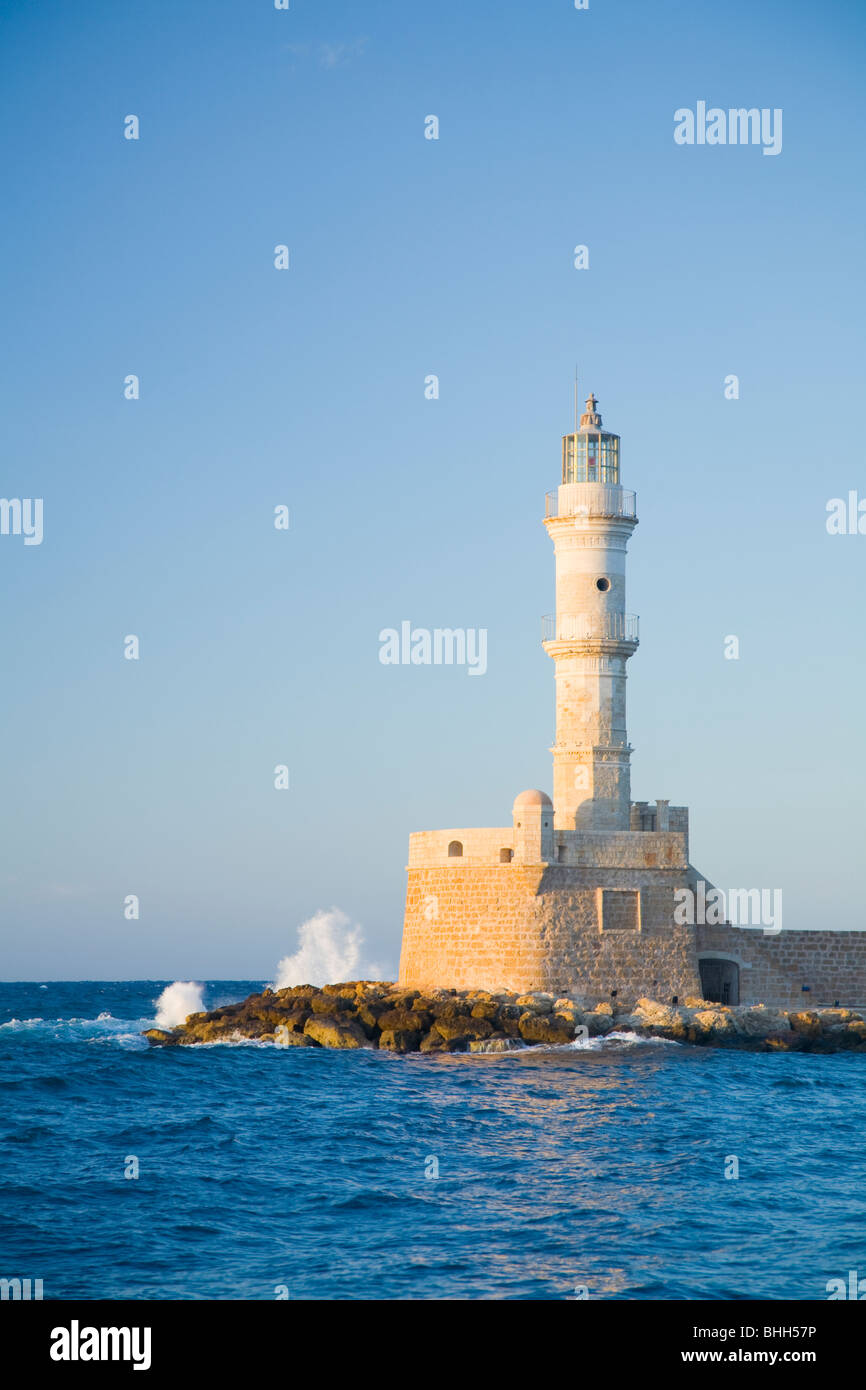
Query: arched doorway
{"x":720,"y":980}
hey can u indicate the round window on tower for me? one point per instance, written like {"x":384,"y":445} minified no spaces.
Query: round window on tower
{"x":603,"y":585}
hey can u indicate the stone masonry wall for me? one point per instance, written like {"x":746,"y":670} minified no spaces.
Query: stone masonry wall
{"x":522,"y":927}
{"x":773,"y":969}
{"x":525,"y":927}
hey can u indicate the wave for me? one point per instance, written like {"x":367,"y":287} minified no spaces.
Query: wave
{"x":177,"y":1002}
{"x":621,"y":1039}
{"x":104,"y":1028}
{"x":329,"y":950}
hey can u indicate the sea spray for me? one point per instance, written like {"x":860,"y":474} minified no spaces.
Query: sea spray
{"x":177,"y":1002}
{"x":329,"y":951}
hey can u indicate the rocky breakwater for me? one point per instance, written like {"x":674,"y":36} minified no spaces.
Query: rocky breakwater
{"x":374,"y":1014}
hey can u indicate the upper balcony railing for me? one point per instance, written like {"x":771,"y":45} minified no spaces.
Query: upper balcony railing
{"x":590,"y":499}
{"x":585,"y":627}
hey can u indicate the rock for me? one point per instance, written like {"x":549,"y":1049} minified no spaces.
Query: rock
{"x":470,"y":1028}
{"x":569,"y":1011}
{"x":452,"y":1008}
{"x":629,"y":1023}
{"x":329,"y":1004}
{"x":452,"y":1027}
{"x":295,"y":1019}
{"x":757,"y":1021}
{"x":479,"y":1028}
{"x":402,"y":998}
{"x":272,"y":1017}
{"x":368,"y":1016}
{"x":709,"y":1025}
{"x":599,"y":1024}
{"x":546,"y":1028}
{"x":509,"y":1010}
{"x":288,"y":1039}
{"x":329,"y":1030}
{"x":537,"y":1003}
{"x":486,"y":1009}
{"x":400,"y":1039}
{"x":847,"y":1037}
{"x":831,"y":1017}
{"x":370,"y":1013}
{"x":789,"y":1041}
{"x":460,"y":1043}
{"x":347,"y":992}
{"x":215,"y":1029}
{"x":654,"y":1015}
{"x":807,"y":1023}
{"x":405,"y":1019}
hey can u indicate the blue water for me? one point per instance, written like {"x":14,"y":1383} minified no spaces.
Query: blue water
{"x":260,"y":1167}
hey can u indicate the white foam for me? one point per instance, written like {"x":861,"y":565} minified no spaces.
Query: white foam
{"x":177,"y":1002}
{"x":625,"y":1037}
{"x":105,"y":1028}
{"x":329,"y":952}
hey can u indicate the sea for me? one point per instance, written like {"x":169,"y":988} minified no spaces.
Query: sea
{"x":614,"y":1169}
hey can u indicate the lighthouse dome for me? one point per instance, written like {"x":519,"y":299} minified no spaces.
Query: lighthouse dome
{"x":532,"y":798}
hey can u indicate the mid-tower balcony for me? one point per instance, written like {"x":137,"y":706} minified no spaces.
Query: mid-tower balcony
{"x":590,"y":499}
{"x":585,"y":627}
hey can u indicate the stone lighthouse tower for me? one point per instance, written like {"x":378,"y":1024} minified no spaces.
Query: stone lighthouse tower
{"x":590,"y":637}
{"x":577,"y":895}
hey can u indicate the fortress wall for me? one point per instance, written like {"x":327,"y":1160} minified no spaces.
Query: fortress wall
{"x":626,"y":849}
{"x":773,"y":969}
{"x":531,"y":927}
{"x":471,"y":928}
{"x":610,"y":849}
{"x":480,"y":846}
{"x":525,"y":927}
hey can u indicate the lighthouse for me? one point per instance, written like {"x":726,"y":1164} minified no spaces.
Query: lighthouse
{"x":590,"y":637}
{"x":577,"y":895}
{"x":580,"y":895}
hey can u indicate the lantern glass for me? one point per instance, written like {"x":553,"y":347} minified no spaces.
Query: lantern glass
{"x":590,"y":456}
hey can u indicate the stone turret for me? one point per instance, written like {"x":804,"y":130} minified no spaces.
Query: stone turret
{"x":533,"y":828}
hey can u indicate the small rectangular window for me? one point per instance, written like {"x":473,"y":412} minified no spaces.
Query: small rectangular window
{"x":620,"y":910}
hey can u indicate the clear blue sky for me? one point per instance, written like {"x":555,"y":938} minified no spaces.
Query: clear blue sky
{"x":305,"y":387}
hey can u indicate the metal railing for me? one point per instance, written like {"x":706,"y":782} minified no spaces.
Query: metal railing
{"x":583,"y":627}
{"x":590,"y":499}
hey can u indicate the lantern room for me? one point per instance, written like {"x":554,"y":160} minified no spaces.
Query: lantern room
{"x":591,"y":454}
